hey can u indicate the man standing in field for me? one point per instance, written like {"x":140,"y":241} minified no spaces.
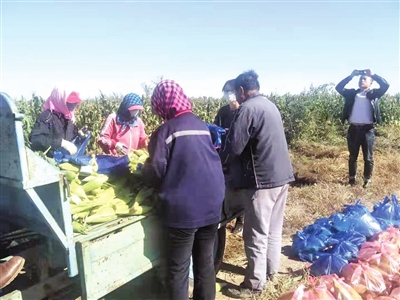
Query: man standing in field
{"x":361,"y":110}
{"x":224,"y":119}
{"x":260,"y":170}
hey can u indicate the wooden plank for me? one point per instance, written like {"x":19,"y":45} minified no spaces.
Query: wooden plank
{"x":119,"y":257}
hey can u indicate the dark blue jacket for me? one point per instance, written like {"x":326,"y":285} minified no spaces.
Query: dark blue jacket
{"x":373,"y":95}
{"x":186,"y":168}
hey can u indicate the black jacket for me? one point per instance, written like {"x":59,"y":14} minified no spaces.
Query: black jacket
{"x":49,"y":129}
{"x":256,"y":146}
{"x":373,"y":95}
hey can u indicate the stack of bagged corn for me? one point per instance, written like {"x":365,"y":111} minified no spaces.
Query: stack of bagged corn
{"x":95,"y":199}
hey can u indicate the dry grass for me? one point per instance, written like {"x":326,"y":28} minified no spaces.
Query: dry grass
{"x":320,"y":190}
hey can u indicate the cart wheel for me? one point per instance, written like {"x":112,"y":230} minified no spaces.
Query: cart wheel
{"x":220,"y":245}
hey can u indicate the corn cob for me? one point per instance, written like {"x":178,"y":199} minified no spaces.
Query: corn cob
{"x":143,"y":194}
{"x":139,"y":210}
{"x":94,"y":184}
{"x":78,"y":227}
{"x":83,"y":206}
{"x":81,"y":215}
{"x":102,"y":214}
{"x":70,"y":175}
{"x":69,"y":167}
{"x":74,"y":199}
{"x":100,"y":219}
{"x":107,"y":195}
{"x":78,"y":190}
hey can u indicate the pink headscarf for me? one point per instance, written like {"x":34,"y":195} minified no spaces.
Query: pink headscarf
{"x":57,"y":102}
{"x":169,"y":100}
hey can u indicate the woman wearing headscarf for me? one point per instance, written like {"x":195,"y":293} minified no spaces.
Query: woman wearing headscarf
{"x":124,"y":130}
{"x":185,"y":167}
{"x":55,"y":127}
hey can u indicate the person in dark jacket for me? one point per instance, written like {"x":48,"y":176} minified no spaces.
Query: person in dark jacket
{"x":224,"y":119}
{"x":186,"y":169}
{"x":55,"y":127}
{"x":261,"y":171}
{"x":361,"y":110}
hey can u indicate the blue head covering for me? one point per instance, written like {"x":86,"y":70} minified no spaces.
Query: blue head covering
{"x":123,"y":114}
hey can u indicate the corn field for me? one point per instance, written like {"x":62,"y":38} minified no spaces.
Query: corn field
{"x":313,"y":115}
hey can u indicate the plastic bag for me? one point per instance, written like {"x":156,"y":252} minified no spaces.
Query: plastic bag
{"x":79,"y":158}
{"x":305,"y":244}
{"x":363,"y":278}
{"x":390,"y":235}
{"x":358,"y":218}
{"x":395,"y":293}
{"x":316,"y":291}
{"x":351,"y":236}
{"x":388,"y":210}
{"x":216,"y":134}
{"x":328,"y":263}
{"x":345,"y":250}
{"x":321,"y":232}
{"x":344,"y":291}
{"x":113,"y":165}
{"x":370,"y":248}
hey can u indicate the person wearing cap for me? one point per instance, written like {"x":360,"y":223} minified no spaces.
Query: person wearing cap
{"x":124,"y":131}
{"x":55,"y":127}
{"x":224,"y":119}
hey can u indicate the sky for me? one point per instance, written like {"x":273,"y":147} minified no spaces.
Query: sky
{"x":115,"y":46}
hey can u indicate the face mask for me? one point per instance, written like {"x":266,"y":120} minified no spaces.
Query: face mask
{"x":229,"y":96}
{"x":71,"y":106}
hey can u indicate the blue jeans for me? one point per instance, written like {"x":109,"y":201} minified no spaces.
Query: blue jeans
{"x":361,"y":136}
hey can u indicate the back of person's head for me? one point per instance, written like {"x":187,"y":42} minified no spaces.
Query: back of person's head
{"x":248,"y":81}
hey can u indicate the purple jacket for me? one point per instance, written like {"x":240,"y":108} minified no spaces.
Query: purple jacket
{"x":187,"y":170}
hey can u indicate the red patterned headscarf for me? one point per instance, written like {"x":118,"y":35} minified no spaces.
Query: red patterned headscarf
{"x":169,"y":100}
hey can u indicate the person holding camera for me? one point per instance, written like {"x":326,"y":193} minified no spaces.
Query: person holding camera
{"x":361,"y":110}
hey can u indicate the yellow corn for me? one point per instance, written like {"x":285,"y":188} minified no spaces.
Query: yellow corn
{"x":74,"y":199}
{"x":94,"y":184}
{"x":83,"y":206}
{"x":69,"y":167}
{"x":70,"y":175}
{"x":143,"y":194}
{"x":78,"y":227}
{"x":139,"y":210}
{"x":77,"y":190}
{"x":100,"y":219}
{"x":106,"y":196}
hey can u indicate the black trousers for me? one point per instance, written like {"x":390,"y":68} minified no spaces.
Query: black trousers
{"x":182,"y":243}
{"x":361,"y":136}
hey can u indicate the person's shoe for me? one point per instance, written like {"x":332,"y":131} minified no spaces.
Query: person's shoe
{"x":352,"y":181}
{"x":366,"y":183}
{"x":10,"y":270}
{"x":242,"y":293}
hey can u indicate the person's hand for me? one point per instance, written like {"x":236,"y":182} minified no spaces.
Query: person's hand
{"x":70,"y":147}
{"x":354,"y":73}
{"x":121,"y":148}
{"x":368,"y":72}
{"x":83,"y":131}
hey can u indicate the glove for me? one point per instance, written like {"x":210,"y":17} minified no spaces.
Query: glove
{"x":70,"y":147}
{"x":121,"y":148}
